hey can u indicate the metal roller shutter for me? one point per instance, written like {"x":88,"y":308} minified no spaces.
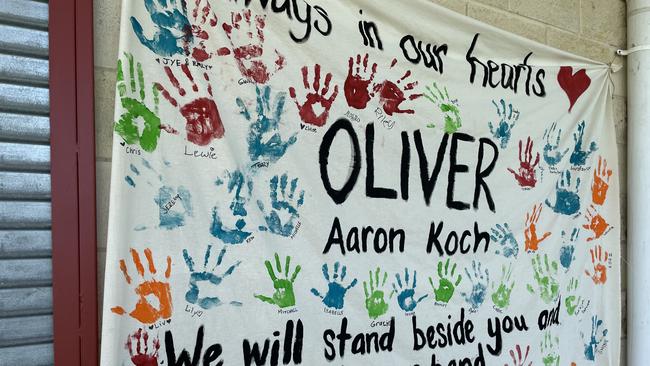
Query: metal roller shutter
{"x":25,"y":209}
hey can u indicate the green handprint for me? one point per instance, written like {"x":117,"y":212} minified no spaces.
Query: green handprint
{"x":548,"y":348}
{"x":501,"y":297}
{"x":283,"y":297}
{"x":572,"y":302}
{"x":448,"y":107}
{"x":445,"y":289}
{"x":132,"y":98}
{"x":545,"y":276}
{"x":375,"y":302}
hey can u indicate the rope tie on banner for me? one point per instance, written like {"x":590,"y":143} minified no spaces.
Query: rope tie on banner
{"x":633,"y":50}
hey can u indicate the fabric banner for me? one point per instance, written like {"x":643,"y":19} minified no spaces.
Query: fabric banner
{"x":349,"y":182}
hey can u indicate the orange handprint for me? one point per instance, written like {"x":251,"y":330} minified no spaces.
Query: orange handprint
{"x":600,"y":261}
{"x":530,"y":234}
{"x":144,"y":312}
{"x":596,"y":223}
{"x":600,"y":184}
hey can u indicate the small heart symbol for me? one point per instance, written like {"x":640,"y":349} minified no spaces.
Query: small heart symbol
{"x":574,"y":85}
{"x":123,"y":143}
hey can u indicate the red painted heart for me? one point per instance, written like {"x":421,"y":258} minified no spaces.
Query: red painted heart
{"x":574,"y":85}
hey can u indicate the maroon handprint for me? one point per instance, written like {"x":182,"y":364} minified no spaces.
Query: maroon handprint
{"x":248,"y":55}
{"x":521,"y":358}
{"x":393,"y":94}
{"x":203,"y":122}
{"x":526,"y":176}
{"x":357,"y":85}
{"x":315,"y":97}
{"x":143,"y":356}
{"x":203,"y":17}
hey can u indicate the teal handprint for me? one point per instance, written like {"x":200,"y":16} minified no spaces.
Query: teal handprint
{"x":284,"y":296}
{"x":501,"y":297}
{"x":132,"y":98}
{"x":504,"y":236}
{"x":173,"y":31}
{"x":597,"y":340}
{"x":284,"y":198}
{"x":208,"y":277}
{"x":546,"y":278}
{"x":549,"y":350}
{"x":449,"y":108}
{"x":240,"y":186}
{"x":405,"y":292}
{"x":567,"y":250}
{"x":375,"y":296}
{"x":567,"y":198}
{"x":480,"y":282}
{"x":508,"y":116}
{"x":579,"y":156}
{"x":335,"y":296}
{"x":552,"y":153}
{"x":445,"y":289}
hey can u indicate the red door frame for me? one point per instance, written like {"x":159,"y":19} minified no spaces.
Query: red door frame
{"x":74,"y":242}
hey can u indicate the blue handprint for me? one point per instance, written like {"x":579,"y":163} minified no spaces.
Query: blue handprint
{"x":335,"y":296}
{"x":405,"y":293}
{"x":242,"y":188}
{"x":480,"y":282}
{"x":290,"y":201}
{"x":173,"y":31}
{"x":567,"y":251}
{"x":567,"y":200}
{"x":166,"y":199}
{"x":264,"y":139}
{"x":207,"y":276}
{"x":504,"y":236}
{"x":508,"y":117}
{"x":552,"y":154}
{"x":597,"y":339}
{"x":579,"y":157}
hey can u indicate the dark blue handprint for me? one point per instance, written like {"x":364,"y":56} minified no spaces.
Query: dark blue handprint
{"x":335,"y":296}
{"x":284,"y":197}
{"x":596,"y":341}
{"x":264,"y":139}
{"x":567,"y":251}
{"x":579,"y":156}
{"x":567,"y":200}
{"x":552,"y":153}
{"x":504,"y":236}
{"x":208,"y":277}
{"x":405,"y":292}
{"x":508,"y":116}
{"x":241,"y":187}
{"x":173,"y":31}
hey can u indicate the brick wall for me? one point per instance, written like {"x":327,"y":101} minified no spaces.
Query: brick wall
{"x":590,"y":28}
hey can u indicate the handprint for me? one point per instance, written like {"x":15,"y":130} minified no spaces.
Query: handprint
{"x":204,"y":18}
{"x":480,"y":283}
{"x":290,"y":199}
{"x":357,"y":85}
{"x":315,"y":98}
{"x":596,"y":223}
{"x":546,"y":279}
{"x":449,"y":108}
{"x":574,"y":304}
{"x":601,"y":261}
{"x":504,"y":236}
{"x":579,"y":157}
{"x":549,"y":349}
{"x":405,"y":292}
{"x":393,"y":94}
{"x":207,"y":277}
{"x":241,"y":187}
{"x":283,"y":297}
{"x":552,"y":154}
{"x":567,"y":200}
{"x":249,"y":51}
{"x":143,"y":356}
{"x":600,"y":184}
{"x":335,"y":296}
{"x":173,"y":32}
{"x":597,"y":340}
{"x":144,"y":311}
{"x":132,"y":98}
{"x":202,"y":120}
{"x":446,"y":287}
{"x":508,"y":116}
{"x":501,"y":297}
{"x":264,"y":138}
{"x":521,"y":358}
{"x":375,"y":302}
{"x":526,"y":176}
{"x":567,"y":251}
{"x":531,"y":241}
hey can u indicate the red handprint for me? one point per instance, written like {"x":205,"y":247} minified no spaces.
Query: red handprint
{"x":392,"y":94}
{"x":601,"y":182}
{"x":530,"y":234}
{"x":596,"y":223}
{"x":143,"y":357}
{"x":315,"y":98}
{"x":526,"y":176}
{"x":143,"y":311}
{"x":202,"y":120}
{"x":250,"y":51}
{"x":203,"y":17}
{"x":357,"y":85}
{"x":521,"y":358}
{"x":600,"y":262}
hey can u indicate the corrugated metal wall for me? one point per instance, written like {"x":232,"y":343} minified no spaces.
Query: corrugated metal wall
{"x":25,"y":219}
